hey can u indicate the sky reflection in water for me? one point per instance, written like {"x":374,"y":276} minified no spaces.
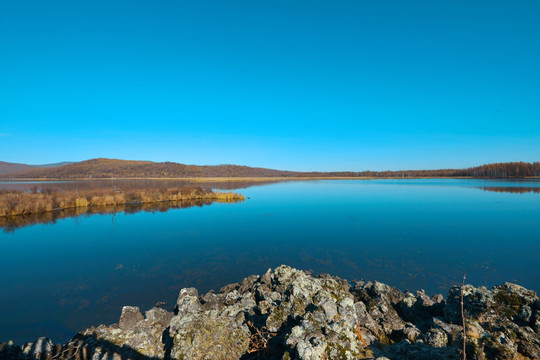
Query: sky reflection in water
{"x":62,"y":277}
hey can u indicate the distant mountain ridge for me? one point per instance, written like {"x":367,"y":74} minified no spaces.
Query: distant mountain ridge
{"x":102,"y":168}
{"x":6,"y":167}
{"x":114,"y":168}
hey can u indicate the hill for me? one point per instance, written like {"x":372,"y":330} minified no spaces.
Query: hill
{"x":7,"y":167}
{"x":113,"y":168}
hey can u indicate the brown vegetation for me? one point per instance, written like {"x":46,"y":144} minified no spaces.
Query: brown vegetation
{"x":12,"y":223}
{"x":513,"y":190}
{"x":113,"y":168}
{"x":14,"y":203}
{"x":258,"y":341}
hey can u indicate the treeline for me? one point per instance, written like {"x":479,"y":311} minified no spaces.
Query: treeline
{"x":112,"y":168}
{"x":503,"y":170}
{"x":497,"y":170}
{"x":14,"y":203}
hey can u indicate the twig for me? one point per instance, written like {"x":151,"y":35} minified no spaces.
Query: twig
{"x":68,"y":347}
{"x":259,"y":338}
{"x":359,"y":335}
{"x":482,"y":357}
{"x":463,"y":319}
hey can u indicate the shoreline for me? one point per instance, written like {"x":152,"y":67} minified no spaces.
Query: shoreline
{"x":291,"y":314}
{"x":281,"y":178}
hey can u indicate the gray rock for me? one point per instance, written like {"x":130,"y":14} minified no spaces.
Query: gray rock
{"x":228,"y":288}
{"x":188,"y":301}
{"x":291,"y":314}
{"x":330,"y":309}
{"x":131,"y":315}
{"x":535,"y":321}
{"x":41,"y":349}
{"x":267,"y":277}
{"x":248,"y":283}
{"x":435,"y":337}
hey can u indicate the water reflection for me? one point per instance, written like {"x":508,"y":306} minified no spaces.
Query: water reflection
{"x":512,"y":189}
{"x":131,"y":184}
{"x":12,"y":223}
{"x":414,"y":234}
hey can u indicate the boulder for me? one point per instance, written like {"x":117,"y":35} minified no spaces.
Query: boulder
{"x":291,"y":314}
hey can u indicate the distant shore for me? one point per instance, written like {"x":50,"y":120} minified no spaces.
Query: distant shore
{"x":103,"y":168}
{"x":280,"y":178}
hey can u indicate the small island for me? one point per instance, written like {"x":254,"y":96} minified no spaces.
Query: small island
{"x":16,"y":203}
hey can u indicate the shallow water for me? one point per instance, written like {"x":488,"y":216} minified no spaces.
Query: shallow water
{"x":65,"y":276}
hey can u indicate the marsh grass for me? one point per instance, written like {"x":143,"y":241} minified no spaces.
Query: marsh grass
{"x":16,"y":203}
{"x":12,"y":223}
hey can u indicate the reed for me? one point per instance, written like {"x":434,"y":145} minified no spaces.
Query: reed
{"x":14,"y":203}
{"x":12,"y":223}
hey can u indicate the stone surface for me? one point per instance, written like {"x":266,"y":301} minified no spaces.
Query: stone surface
{"x":291,"y":314}
{"x":131,"y":315}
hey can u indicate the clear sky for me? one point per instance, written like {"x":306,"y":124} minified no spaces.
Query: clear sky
{"x":297,"y":85}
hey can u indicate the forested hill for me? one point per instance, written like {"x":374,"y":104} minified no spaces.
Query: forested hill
{"x":112,"y":168}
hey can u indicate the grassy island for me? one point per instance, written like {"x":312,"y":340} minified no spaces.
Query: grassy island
{"x":14,"y":203}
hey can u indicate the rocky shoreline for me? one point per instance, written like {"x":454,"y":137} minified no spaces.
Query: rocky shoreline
{"x":292,"y":314}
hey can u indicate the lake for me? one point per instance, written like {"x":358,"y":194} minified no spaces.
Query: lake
{"x":75,"y":272}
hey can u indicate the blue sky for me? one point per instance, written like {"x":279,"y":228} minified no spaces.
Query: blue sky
{"x":299,"y":85}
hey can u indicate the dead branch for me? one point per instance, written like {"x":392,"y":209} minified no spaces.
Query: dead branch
{"x":463,"y":319}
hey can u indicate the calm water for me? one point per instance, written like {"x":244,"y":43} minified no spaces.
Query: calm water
{"x":62,"y":277}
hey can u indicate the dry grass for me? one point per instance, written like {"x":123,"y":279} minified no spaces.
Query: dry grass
{"x":12,"y":223}
{"x":13,"y":203}
{"x":258,"y":341}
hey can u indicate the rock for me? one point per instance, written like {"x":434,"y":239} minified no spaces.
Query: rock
{"x":291,"y":314}
{"x":535,"y":321}
{"x":42,"y":349}
{"x":330,"y":309}
{"x":188,"y":301}
{"x":476,"y":301}
{"x":203,"y":337}
{"x":158,"y":316}
{"x":267,"y":277}
{"x":435,"y":337}
{"x":228,"y":288}
{"x":248,"y":283}
{"x":391,"y":294}
{"x":134,"y":334}
{"x":131,"y":315}
{"x":524,"y":314}
{"x":474,"y":330}
{"x":365,"y":321}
